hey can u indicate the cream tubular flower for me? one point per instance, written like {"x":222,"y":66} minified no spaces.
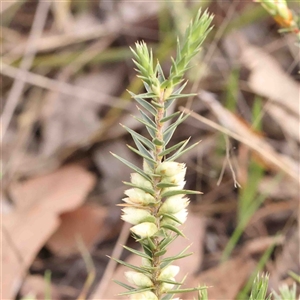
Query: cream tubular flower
{"x":181,"y":216}
{"x":139,"y":180}
{"x":170,"y":168}
{"x":145,"y":229}
{"x":175,"y":179}
{"x":136,"y":216}
{"x":167,"y":286}
{"x":137,"y":196}
{"x":168,"y":272}
{"x":144,"y":296}
{"x":180,"y":186}
{"x":174,"y":204}
{"x":138,"y":279}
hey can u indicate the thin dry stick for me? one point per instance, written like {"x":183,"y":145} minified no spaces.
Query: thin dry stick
{"x":18,"y":85}
{"x":65,"y":88}
{"x":112,"y":263}
{"x":267,"y":155}
{"x":236,"y":184}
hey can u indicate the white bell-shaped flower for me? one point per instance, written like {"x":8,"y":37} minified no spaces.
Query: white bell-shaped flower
{"x":168,"y":272}
{"x":136,"y":216}
{"x":181,"y":216}
{"x":146,"y":167}
{"x":165,"y":287}
{"x":170,"y":168}
{"x":144,"y":296}
{"x":137,"y":196}
{"x":139,"y":180}
{"x":145,"y":229}
{"x":179,"y":186}
{"x":174,"y":204}
{"x":138,"y":279}
{"x":175,"y":179}
{"x":146,"y":262}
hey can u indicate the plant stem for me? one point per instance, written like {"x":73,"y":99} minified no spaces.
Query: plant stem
{"x":156,"y":180}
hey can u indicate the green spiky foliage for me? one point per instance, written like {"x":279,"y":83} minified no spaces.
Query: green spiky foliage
{"x":156,"y":201}
{"x":260,"y":288}
{"x":286,"y":293}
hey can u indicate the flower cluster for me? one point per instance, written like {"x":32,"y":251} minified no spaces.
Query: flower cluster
{"x":282,"y":15}
{"x":140,"y":210}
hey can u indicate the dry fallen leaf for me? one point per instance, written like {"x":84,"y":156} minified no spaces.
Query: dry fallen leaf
{"x":38,"y":201}
{"x":269,"y":80}
{"x":225,"y":280}
{"x":85,"y":223}
{"x":194,"y":229}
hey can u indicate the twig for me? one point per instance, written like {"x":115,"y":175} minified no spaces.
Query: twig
{"x":18,"y":85}
{"x":236,"y":184}
{"x":55,"y":85}
{"x":112,"y":263}
{"x":279,"y":163}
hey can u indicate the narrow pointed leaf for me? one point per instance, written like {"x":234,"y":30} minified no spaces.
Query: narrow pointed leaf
{"x":130,"y":266}
{"x":173,"y":228}
{"x":151,"y":244}
{"x":169,"y":103}
{"x":173,"y":148}
{"x":160,"y":253}
{"x":145,"y":123}
{"x":151,"y":129}
{"x":149,"y":107}
{"x":178,"y":121}
{"x":187,"y":290}
{"x":167,"y":118}
{"x":141,"y":147}
{"x":156,"y":104}
{"x":180,"y":255}
{"x":141,"y":138}
{"x":147,"y":249}
{"x":157,"y":142}
{"x":180,"y":96}
{"x":160,"y":72}
{"x":147,"y":87}
{"x":172,"y":218}
{"x":167,"y":241}
{"x":168,"y":133}
{"x":124,"y":285}
{"x":148,"y":95}
{"x":139,"y":253}
{"x":141,"y":154}
{"x":136,"y":291}
{"x":162,"y":185}
{"x":170,"y":281}
{"x":179,"y":153}
{"x":180,"y":89}
{"x":167,"y":297}
{"x":179,"y":192}
{"x":132,"y":166}
{"x":139,"y":187}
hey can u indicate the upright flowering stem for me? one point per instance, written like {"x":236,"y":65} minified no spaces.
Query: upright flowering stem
{"x":156,"y":202}
{"x":158,"y":159}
